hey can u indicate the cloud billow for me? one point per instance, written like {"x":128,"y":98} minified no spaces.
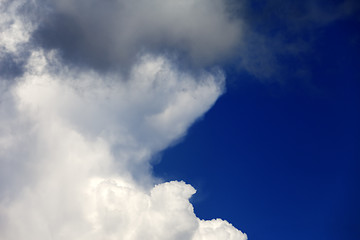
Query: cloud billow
{"x":76,"y":142}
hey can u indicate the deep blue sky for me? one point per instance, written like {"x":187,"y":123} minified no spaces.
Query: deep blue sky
{"x":279,"y":158}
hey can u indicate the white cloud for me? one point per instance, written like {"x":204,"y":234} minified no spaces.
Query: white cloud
{"x":74,"y":141}
{"x":75,"y":147}
{"x":13,"y":30}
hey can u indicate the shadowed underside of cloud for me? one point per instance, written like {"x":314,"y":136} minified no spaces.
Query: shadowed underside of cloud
{"x":75,"y":142}
{"x":106,"y":34}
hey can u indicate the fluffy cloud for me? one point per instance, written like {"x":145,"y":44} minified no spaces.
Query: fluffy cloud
{"x":76,"y":149}
{"x":75,"y":143}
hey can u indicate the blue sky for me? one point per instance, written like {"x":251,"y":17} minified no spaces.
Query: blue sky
{"x":280,"y":159}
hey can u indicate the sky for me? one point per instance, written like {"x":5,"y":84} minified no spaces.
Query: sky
{"x":193,"y":119}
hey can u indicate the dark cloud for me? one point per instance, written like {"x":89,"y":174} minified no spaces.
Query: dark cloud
{"x":111,"y":34}
{"x":11,"y":66}
{"x":63,"y":33}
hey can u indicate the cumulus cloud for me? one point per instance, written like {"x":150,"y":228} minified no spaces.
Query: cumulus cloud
{"x":76,"y":143}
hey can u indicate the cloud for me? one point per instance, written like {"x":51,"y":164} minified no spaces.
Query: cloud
{"x":76,"y":143}
{"x":111,"y":34}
